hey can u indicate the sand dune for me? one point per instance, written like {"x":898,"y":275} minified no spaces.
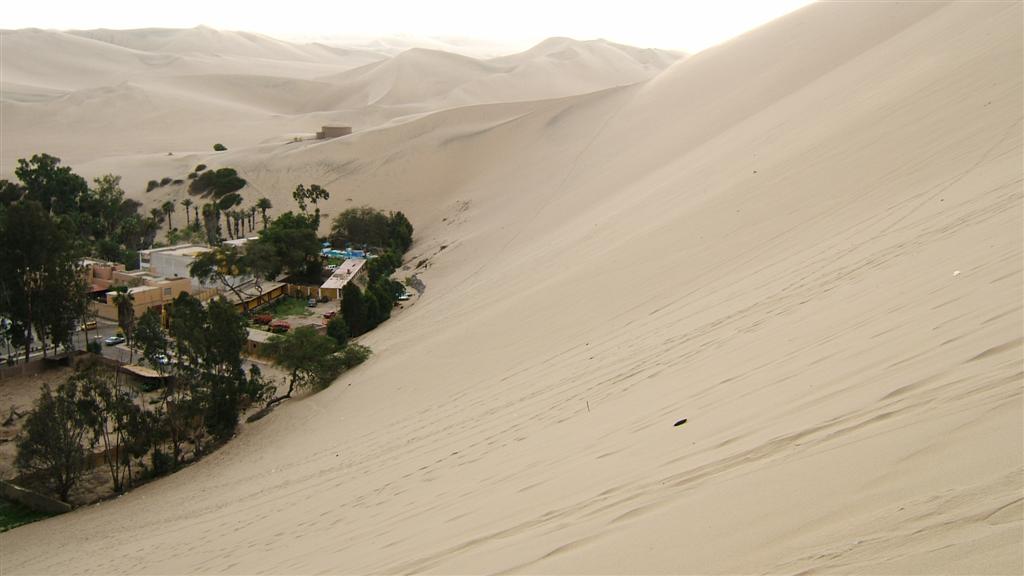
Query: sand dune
{"x":761,"y":240}
{"x":220,"y":43}
{"x":553,"y":68}
{"x":244,"y":89}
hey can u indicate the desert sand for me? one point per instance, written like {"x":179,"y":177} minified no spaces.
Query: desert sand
{"x":807,"y":242}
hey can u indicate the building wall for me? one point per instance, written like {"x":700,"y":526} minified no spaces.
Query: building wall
{"x":156,"y":294}
{"x":334,"y":131}
{"x":171,"y":266}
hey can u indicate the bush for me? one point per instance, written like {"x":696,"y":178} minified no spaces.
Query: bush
{"x":178,"y":181}
{"x":166,"y":180}
{"x":218,"y":147}
{"x":192,"y":175}
{"x":95,"y":347}
{"x":152,"y":185}
{"x":200,"y":168}
{"x":354,"y":355}
{"x":161,"y":463}
{"x":217,"y":182}
{"x":338,"y":330}
{"x":368,"y":226}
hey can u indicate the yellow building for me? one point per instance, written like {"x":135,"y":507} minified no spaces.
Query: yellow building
{"x":146,"y":290}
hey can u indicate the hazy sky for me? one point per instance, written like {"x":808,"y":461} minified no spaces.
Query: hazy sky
{"x":688,"y":25}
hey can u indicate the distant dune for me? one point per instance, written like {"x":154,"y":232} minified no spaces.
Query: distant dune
{"x":247,"y":89}
{"x":807,"y":242}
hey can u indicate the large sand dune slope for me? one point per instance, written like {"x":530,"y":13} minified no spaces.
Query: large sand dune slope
{"x":806,"y":242}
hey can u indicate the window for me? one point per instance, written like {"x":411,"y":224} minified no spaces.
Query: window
{"x":167,"y":292}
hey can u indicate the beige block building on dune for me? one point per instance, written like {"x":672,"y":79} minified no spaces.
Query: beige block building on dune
{"x":333,"y":132}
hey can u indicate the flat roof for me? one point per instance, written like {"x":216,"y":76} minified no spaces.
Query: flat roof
{"x":346,"y":271}
{"x":248,"y":290}
{"x":142,"y":371}
{"x":166,"y":248}
{"x":186,"y":251}
{"x":259,"y":336}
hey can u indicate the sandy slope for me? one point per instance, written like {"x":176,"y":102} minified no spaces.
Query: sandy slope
{"x":806,"y":242}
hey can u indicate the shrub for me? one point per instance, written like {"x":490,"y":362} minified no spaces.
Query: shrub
{"x":178,"y":181}
{"x":166,"y":180}
{"x":337,"y":330}
{"x":372,"y":227}
{"x":200,"y":168}
{"x":152,"y":185}
{"x":95,"y":347}
{"x":217,"y":182}
{"x":192,"y":175}
{"x":354,"y":355}
{"x":218,"y":147}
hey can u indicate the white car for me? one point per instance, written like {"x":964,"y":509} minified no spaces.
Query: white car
{"x":161,"y":359}
{"x":114,"y":340}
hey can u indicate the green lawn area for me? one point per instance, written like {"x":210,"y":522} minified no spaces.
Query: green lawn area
{"x":13,"y":515}
{"x":288,"y":306}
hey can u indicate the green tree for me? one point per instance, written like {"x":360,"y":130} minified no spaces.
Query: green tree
{"x":264,"y":204}
{"x":211,"y":222}
{"x":150,"y":338}
{"x":354,"y":309}
{"x":231,"y":267}
{"x":218,"y":147}
{"x":187,"y":327}
{"x":38,"y":271}
{"x":187,"y":203}
{"x":168,"y":208}
{"x":54,"y":186}
{"x":313,"y":194}
{"x":117,"y":423}
{"x":52,"y":443}
{"x":371,"y":227}
{"x":125,"y":302}
{"x":294,"y":244}
{"x":338,"y":330}
{"x":308,"y":357}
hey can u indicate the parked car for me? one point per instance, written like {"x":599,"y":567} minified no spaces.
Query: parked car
{"x":90,"y":325}
{"x":311,"y":302}
{"x":263,"y":319}
{"x":161,"y":359}
{"x":114,"y":340}
{"x":331,"y":314}
{"x":279,"y":326}
{"x":404,"y":296}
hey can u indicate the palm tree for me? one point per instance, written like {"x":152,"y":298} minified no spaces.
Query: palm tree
{"x":263,"y":204}
{"x":168,"y":208}
{"x":211,"y":221}
{"x":125,"y":303}
{"x":239,"y":216}
{"x":252,"y":218}
{"x":187,"y":202}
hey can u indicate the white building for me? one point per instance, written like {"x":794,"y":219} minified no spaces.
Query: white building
{"x":173,"y":262}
